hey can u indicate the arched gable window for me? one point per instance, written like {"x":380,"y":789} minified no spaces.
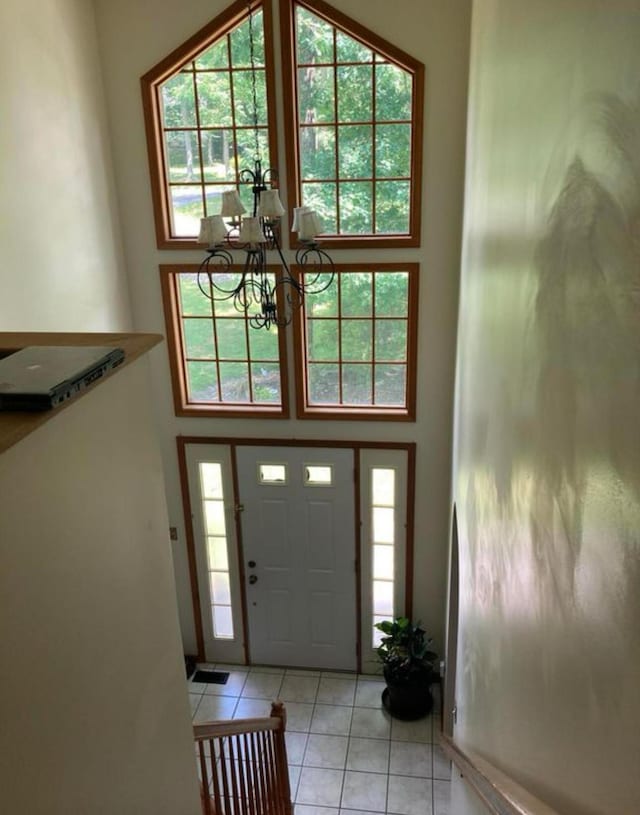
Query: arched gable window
{"x":354,"y":153}
{"x":198,"y":114}
{"x":355,"y":135}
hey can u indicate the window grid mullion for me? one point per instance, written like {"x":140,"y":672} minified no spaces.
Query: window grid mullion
{"x":340,"y":370}
{"x":374,"y":116}
{"x":232,"y":102}
{"x":215,"y":343}
{"x":336,"y":140}
{"x":373,"y":337}
{"x":196,"y":104}
{"x":249,"y":366}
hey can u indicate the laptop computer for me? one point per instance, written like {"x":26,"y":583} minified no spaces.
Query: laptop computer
{"x":41,"y":377}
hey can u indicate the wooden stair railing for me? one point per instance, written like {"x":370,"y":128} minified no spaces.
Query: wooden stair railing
{"x":500,"y":793}
{"x":243,"y":765}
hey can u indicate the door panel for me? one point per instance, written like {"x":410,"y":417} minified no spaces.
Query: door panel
{"x":302,"y":604}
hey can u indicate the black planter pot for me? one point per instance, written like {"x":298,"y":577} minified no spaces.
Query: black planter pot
{"x":408,"y":699}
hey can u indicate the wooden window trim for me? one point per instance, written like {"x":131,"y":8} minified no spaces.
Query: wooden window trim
{"x":359,"y":413}
{"x":289,"y":82}
{"x":175,"y":349}
{"x":150,"y":83}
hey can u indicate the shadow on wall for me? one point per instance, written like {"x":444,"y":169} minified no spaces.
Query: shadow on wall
{"x":587,"y":317}
{"x":551,"y":488}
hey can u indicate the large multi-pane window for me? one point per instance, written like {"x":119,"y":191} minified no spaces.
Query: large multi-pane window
{"x":219,"y":363}
{"x":354,"y":154}
{"x":200,"y":120}
{"x":356,"y":343}
{"x":356,"y":138}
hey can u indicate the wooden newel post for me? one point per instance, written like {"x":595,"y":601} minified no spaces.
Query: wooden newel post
{"x":278,"y":712}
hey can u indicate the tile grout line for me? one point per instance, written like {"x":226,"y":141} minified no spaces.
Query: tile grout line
{"x":386,"y":803}
{"x":306,"y":747}
{"x":346,"y":755}
{"x":433,"y":772}
{"x":349,"y":736}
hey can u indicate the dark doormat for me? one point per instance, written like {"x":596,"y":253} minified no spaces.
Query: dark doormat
{"x":212,"y":677}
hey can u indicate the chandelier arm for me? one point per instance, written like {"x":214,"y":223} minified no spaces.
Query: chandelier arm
{"x":270,"y":176}
{"x":313,"y":255}
{"x":285,"y":265}
{"x":247,"y":176}
{"x":223,"y":266}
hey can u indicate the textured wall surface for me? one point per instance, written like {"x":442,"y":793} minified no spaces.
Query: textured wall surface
{"x":61,"y":262}
{"x":547,"y":447}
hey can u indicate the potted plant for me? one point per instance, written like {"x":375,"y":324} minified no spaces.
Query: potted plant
{"x":407,"y":667}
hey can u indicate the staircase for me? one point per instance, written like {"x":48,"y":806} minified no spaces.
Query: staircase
{"x":243,"y":766}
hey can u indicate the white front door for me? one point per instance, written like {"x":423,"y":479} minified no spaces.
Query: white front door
{"x":298,"y":541}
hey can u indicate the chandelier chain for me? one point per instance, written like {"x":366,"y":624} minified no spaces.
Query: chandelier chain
{"x":254,"y":91}
{"x":267,"y":298}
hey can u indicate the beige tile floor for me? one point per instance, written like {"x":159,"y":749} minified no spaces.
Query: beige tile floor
{"x":347,"y":756}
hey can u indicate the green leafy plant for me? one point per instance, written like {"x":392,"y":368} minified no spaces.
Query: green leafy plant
{"x":404,"y":650}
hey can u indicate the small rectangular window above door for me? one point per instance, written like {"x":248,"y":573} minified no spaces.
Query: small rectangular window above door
{"x":318,"y":475}
{"x":272,"y":473}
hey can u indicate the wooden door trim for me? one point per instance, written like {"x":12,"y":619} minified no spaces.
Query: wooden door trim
{"x":191,"y":550}
{"x":232,"y":443}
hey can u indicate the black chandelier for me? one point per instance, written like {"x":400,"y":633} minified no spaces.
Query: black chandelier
{"x":254,"y":290}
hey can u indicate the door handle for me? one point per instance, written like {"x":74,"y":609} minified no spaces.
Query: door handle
{"x":253,"y":579}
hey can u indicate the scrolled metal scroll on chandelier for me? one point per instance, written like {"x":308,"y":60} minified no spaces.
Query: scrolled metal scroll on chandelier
{"x":254,"y":290}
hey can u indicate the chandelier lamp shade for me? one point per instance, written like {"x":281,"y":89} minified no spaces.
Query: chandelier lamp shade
{"x":266,"y":297}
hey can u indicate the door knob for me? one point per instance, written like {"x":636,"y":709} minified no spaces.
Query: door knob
{"x":253,"y":579}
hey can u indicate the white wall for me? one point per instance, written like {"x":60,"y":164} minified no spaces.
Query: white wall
{"x":93,"y":704}
{"x":61,"y":264}
{"x":547,"y":454}
{"x":133,"y":39}
{"x":464,"y":799}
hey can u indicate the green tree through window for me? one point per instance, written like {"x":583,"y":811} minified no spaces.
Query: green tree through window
{"x":200,"y":123}
{"x":358,"y":109}
{"x":358,"y":342}
{"x":219,"y":363}
{"x":208,"y":125}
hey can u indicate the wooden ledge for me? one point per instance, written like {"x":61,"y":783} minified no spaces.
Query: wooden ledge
{"x":15,"y":426}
